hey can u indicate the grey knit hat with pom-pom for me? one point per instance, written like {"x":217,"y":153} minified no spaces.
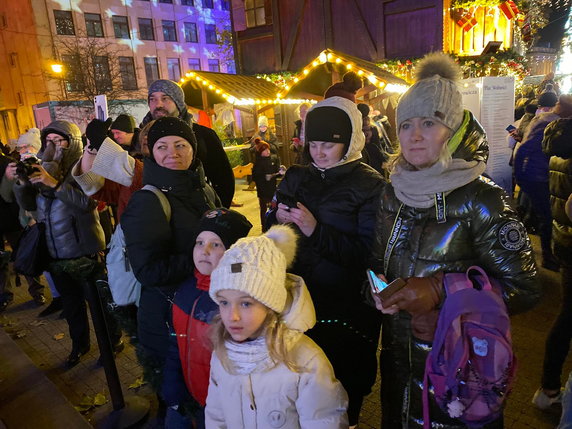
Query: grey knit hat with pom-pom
{"x":257,"y":266}
{"x":435,"y":94}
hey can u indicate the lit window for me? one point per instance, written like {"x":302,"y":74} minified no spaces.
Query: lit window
{"x":64,"y":22}
{"x":127,"y":69}
{"x":101,"y":74}
{"x":73,"y":76}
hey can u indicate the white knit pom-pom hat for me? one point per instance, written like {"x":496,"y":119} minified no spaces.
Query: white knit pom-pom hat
{"x":257,"y":266}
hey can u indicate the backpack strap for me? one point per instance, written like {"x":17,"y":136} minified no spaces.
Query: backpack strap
{"x":162,"y":199}
{"x":455,"y":282}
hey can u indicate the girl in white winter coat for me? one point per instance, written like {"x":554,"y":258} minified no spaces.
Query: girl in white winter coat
{"x":265,"y":373}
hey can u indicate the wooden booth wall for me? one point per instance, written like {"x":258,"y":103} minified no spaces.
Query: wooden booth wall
{"x":373,"y":30}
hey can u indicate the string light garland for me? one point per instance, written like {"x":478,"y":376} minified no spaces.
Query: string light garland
{"x":286,"y":80}
{"x":200,"y":80}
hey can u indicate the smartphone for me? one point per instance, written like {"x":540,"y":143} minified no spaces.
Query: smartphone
{"x":286,"y":199}
{"x":382,"y":289}
{"x":510,"y":128}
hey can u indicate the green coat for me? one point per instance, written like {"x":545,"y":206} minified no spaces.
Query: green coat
{"x":480,"y":229}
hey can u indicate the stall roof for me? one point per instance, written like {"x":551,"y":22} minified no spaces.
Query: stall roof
{"x":231,"y":88}
{"x":315,"y":78}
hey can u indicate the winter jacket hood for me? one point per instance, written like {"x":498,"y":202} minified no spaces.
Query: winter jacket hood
{"x":469,"y":142}
{"x":299,"y":314}
{"x":357,"y":141}
{"x":71,"y":154}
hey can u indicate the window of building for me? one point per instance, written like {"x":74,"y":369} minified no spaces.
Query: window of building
{"x":169,"y":31}
{"x":127,"y":70}
{"x":214,"y":66}
{"x":225,"y":4}
{"x":73,"y":74}
{"x":191,"y":34}
{"x":208,"y":4}
{"x":188,"y":2}
{"x":102,"y":74}
{"x":194,"y":63}
{"x":174,"y":69}
{"x":166,"y":1}
{"x":230,"y":67}
{"x":64,"y":22}
{"x":146,"y":31}
{"x":151,"y":70}
{"x":255,"y":13}
{"x":210,"y":33}
{"x":120,"y":27}
{"x":93,"y":25}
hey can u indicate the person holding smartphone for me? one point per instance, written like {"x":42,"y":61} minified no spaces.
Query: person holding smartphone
{"x":332,"y":203}
{"x":438,"y":215}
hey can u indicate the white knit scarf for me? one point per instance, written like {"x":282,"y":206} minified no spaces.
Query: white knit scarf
{"x":417,"y":188}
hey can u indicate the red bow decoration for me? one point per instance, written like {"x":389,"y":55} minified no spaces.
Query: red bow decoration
{"x":509,"y":9}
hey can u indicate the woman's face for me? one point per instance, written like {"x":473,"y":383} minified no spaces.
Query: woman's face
{"x":326,"y":154}
{"x":57,"y":140}
{"x":421,"y":141}
{"x":173,"y":152}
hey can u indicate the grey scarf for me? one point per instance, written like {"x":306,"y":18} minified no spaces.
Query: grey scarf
{"x":417,"y":188}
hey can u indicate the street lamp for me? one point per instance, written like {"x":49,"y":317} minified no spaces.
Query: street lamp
{"x":57,"y":68}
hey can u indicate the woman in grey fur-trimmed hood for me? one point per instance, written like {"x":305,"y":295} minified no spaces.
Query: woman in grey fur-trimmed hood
{"x":439,"y":215}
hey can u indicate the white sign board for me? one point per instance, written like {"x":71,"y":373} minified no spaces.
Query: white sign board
{"x":491,"y":100}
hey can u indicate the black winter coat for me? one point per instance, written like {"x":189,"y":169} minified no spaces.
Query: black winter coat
{"x":557,"y":145}
{"x":481,"y":229}
{"x":8,"y":209}
{"x":160,"y":252}
{"x":262,"y":166}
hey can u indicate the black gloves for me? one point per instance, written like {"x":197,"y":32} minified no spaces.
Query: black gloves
{"x":96,"y":132}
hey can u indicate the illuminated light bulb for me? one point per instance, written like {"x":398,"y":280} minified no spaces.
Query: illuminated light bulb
{"x":198,"y":78}
{"x":330,"y":56}
{"x":218,"y":91}
{"x":279,"y":95}
{"x":205,"y":83}
{"x":287,"y":88}
{"x":360,"y":72}
{"x":323,"y":57}
{"x":231,"y":99}
{"x":296,"y":79}
{"x":188,"y":74}
{"x":191,"y":74}
{"x":257,"y":101}
{"x":315,"y":63}
{"x":338,"y":60}
{"x":349,"y":66}
{"x":211,"y":87}
{"x":466,"y":85}
{"x":306,"y":71}
{"x":57,"y":68}
{"x":372,"y":79}
{"x":183,"y":80}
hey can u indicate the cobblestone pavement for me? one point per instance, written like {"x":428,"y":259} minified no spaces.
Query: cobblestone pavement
{"x":529,"y":332}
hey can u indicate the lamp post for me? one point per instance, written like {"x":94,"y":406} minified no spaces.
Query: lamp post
{"x":58,"y":72}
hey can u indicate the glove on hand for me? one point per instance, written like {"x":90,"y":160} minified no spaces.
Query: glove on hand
{"x":96,"y":132}
{"x":423,"y":326}
{"x":419,"y":296}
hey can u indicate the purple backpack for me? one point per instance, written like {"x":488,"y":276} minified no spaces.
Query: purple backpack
{"x":471,"y":365}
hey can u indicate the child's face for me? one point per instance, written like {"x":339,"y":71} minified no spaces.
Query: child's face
{"x":265,"y":153}
{"x":207,"y":252}
{"x":242,"y":315}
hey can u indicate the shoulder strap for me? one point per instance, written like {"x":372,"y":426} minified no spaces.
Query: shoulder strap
{"x":458,"y":281}
{"x":162,"y":199}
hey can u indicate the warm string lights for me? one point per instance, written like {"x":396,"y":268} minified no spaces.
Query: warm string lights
{"x":328,"y":57}
{"x":190,"y":76}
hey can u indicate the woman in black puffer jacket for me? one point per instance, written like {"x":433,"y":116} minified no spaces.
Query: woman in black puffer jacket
{"x":160,"y":252}
{"x":444,"y":217}
{"x":72,"y":225}
{"x":336,"y":198}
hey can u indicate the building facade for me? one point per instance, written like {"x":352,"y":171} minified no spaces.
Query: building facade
{"x":130,"y":43}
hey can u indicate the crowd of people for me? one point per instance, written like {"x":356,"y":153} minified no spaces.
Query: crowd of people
{"x":281,"y":329}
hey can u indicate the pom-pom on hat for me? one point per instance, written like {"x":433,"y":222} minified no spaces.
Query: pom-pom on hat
{"x":347,"y":88}
{"x":30,"y":138}
{"x":257,"y":266}
{"x":125,"y":123}
{"x":169,"y":126}
{"x":435,"y":94}
{"x":262,"y":121}
{"x":171,"y":89}
{"x":229,"y":225}
{"x":260,"y":145}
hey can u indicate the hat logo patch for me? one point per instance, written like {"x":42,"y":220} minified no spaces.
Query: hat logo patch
{"x":336,"y":136}
{"x":236,"y":268}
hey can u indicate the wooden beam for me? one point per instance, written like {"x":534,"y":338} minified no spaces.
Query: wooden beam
{"x":328,"y":33}
{"x":293,"y":34}
{"x":370,"y":43}
{"x":277,"y":32}
{"x":205,"y":98}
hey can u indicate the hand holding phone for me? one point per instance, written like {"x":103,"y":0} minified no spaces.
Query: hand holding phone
{"x":510,"y":128}
{"x":382,"y":289}
{"x":286,"y":199}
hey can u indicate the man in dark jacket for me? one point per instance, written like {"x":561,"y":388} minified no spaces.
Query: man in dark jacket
{"x":125,"y":133}
{"x":166,"y":98}
{"x":557,"y":145}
